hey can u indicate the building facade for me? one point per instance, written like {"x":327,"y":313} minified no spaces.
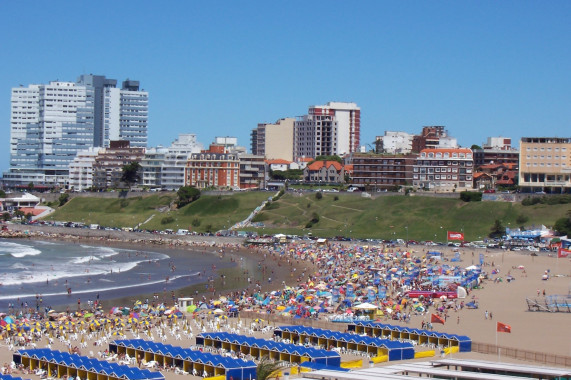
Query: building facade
{"x":324,"y":172}
{"x":274,"y":141}
{"x":50,"y":123}
{"x":545,"y":164}
{"x":497,"y":150}
{"x":213,"y":168}
{"x":394,"y":143}
{"x":253,"y":172}
{"x":331,"y":129}
{"x":109,"y":163}
{"x":382,"y":171}
{"x":444,"y":170}
{"x":81,"y":169}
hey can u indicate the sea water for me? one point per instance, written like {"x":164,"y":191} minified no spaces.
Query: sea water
{"x":46,"y":273}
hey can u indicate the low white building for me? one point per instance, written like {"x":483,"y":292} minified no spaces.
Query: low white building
{"x":81,"y":169}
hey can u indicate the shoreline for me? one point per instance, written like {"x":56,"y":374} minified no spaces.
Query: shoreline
{"x":246,"y":262}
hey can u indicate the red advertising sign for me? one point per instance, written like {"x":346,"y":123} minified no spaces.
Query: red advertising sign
{"x":455,"y":235}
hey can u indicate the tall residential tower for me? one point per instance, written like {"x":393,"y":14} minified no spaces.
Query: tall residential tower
{"x":50,"y":123}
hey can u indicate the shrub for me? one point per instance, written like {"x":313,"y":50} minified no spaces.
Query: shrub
{"x":195,"y":222}
{"x":124,"y":203}
{"x":318,"y":195}
{"x":470,"y":196}
{"x":167,"y":220}
{"x":529,"y":201}
{"x":63,"y":199}
{"x":336,"y":198}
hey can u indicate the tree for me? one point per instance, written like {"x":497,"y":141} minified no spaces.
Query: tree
{"x":522,"y":219}
{"x":30,"y":186}
{"x":186,"y":195}
{"x":474,"y":147}
{"x":2,"y":194}
{"x":268,"y":369}
{"x":497,"y":230}
{"x":63,"y":199}
{"x":131,"y":173}
{"x":563,"y":225}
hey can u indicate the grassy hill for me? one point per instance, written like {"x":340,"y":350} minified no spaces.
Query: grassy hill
{"x":389,"y":217}
{"x":386,"y":217}
{"x":154,"y":212}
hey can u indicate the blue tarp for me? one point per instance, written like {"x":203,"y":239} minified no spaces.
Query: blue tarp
{"x":89,"y":364}
{"x":235,"y":368}
{"x":330,"y":358}
{"x":463,"y":342}
{"x":396,"y":350}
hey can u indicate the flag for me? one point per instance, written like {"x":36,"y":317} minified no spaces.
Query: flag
{"x":436,"y":319}
{"x":502,"y":327}
{"x":562,"y":252}
{"x":455,"y":235}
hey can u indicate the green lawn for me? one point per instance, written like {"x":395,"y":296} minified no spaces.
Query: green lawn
{"x":112,"y":212}
{"x":386,"y":217}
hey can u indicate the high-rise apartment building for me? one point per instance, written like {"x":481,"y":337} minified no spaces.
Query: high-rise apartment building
{"x":332,"y":129}
{"x":119,"y":113}
{"x":274,"y":141}
{"x":50,"y":123}
{"x":545,"y":164}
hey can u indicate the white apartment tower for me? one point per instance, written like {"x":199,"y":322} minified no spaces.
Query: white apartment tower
{"x":50,"y":123}
{"x":331,"y":129}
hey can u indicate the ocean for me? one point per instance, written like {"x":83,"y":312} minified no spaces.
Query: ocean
{"x":47,"y":274}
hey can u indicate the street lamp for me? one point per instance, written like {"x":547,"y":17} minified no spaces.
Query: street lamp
{"x":406,"y":228}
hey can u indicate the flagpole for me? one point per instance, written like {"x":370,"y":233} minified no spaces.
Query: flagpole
{"x":497,"y":347}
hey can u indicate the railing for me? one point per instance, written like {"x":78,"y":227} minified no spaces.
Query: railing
{"x":483,"y":348}
{"x":518,"y":353}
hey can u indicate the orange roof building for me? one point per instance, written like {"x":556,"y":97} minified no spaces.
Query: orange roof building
{"x":444,"y":170}
{"x":324,"y":172}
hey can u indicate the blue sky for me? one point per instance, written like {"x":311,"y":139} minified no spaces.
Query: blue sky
{"x":217,"y":68}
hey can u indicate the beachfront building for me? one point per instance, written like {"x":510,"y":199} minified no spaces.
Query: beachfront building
{"x":118,"y":113}
{"x":253,"y":172}
{"x":497,"y":150}
{"x":324,"y":172}
{"x":50,"y":123}
{"x":545,"y":164}
{"x":109,"y":163}
{"x":394,"y":143}
{"x":274,"y":141}
{"x":174,"y":164}
{"x":444,"y":170}
{"x":332,"y":129}
{"x":81,"y":169}
{"x":213,"y":168}
{"x":432,"y":137}
{"x":151,"y":167}
{"x":382,"y":171}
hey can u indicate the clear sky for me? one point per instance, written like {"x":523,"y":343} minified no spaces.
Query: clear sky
{"x":218,"y":68}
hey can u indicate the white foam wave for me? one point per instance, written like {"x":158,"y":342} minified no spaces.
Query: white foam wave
{"x":92,"y":290}
{"x":84,"y":259}
{"x":70,"y":271}
{"x":18,"y":250}
{"x":101,"y":251}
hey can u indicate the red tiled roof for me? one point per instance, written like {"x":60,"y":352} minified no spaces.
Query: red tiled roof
{"x":30,"y":210}
{"x":278,"y":161}
{"x":447,"y":150}
{"x":305,"y":159}
{"x":317,"y":165}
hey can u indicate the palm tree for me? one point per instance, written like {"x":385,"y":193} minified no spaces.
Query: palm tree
{"x":268,"y":369}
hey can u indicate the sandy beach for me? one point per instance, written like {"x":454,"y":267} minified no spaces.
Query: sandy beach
{"x":502,"y":300}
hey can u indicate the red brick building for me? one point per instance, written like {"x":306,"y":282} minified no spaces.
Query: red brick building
{"x":213,"y":168}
